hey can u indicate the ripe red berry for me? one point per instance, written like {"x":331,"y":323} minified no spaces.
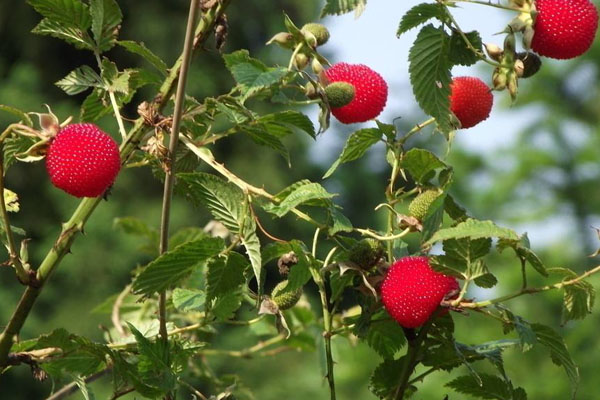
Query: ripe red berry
{"x":82,"y":160}
{"x":370,"y":92}
{"x":564,"y":28}
{"x":470,"y":100}
{"x":412,"y":290}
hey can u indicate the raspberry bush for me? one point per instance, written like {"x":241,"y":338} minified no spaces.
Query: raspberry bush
{"x":399,"y":287}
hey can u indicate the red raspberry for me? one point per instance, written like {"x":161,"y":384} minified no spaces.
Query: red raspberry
{"x":470,"y":100}
{"x":564,"y":28}
{"x":412,"y":291}
{"x":370,"y":92}
{"x":82,"y":160}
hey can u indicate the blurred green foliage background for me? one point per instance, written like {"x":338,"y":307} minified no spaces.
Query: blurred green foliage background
{"x":548,"y":178}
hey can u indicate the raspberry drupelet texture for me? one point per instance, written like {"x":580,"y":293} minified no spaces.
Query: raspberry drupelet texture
{"x":370,"y":92}
{"x":83,"y":160}
{"x":564,"y":28}
{"x":470,"y":100}
{"x":412,"y":290}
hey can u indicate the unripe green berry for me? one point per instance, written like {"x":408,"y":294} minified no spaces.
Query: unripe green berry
{"x":339,"y":94}
{"x":283,"y":39}
{"x":319,"y":31}
{"x":285,"y":300}
{"x":301,"y":61}
{"x":366,"y":253}
{"x":420,"y":205}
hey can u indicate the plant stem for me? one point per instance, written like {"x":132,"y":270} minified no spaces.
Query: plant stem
{"x":523,"y":291}
{"x":15,"y":259}
{"x":327,"y":333}
{"x":72,"y":387}
{"x":174,"y":139}
{"x":115,"y":106}
{"x":489,"y":4}
{"x":416,"y":129}
{"x":87,"y":205}
{"x":412,"y":356}
{"x":374,"y":235}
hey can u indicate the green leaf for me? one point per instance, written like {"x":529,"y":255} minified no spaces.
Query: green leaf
{"x":459,"y":53}
{"x":229,"y":206}
{"x":22,"y":115}
{"x":115,"y":81}
{"x":75,"y":36}
{"x":69,"y":13}
{"x":175,"y":265}
{"x":357,"y":145}
{"x":386,"y":338}
{"x":83,"y":387}
{"x":106,"y":18}
{"x":521,"y":248}
{"x":578,"y":299}
{"x":430,"y":77}
{"x":421,"y":164}
{"x":79,"y":80}
{"x":226,"y":305}
{"x":385,"y":378}
{"x":291,"y":118}
{"x":339,"y":222}
{"x":420,"y":14}
{"x":549,"y":338}
{"x":94,"y":107}
{"x":225,"y":275}
{"x":488,"y":387}
{"x":154,"y":364}
{"x":252,"y":74}
{"x":224,"y":201}
{"x":261,"y":135}
{"x":527,"y":336}
{"x":299,"y":194}
{"x":338,"y":7}
{"x":473,"y":229}
{"x":187,"y":300}
{"x":141,"y":50}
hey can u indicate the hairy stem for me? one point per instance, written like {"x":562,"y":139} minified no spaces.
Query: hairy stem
{"x":86,"y":206}
{"x":115,"y":106}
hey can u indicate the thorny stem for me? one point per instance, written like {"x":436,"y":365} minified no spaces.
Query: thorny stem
{"x":88,"y":205}
{"x":523,"y":291}
{"x":327,"y":332}
{"x":15,"y":259}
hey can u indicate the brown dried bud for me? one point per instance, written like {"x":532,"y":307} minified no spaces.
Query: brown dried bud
{"x":287,"y":261}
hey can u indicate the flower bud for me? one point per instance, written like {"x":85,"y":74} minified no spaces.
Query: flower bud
{"x":494,"y":51}
{"x":283,"y":39}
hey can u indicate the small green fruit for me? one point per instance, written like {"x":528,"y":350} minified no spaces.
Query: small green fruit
{"x":420,"y":205}
{"x":285,"y":300}
{"x":366,"y":253}
{"x":319,"y":31}
{"x":339,"y":94}
{"x":301,"y":61}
